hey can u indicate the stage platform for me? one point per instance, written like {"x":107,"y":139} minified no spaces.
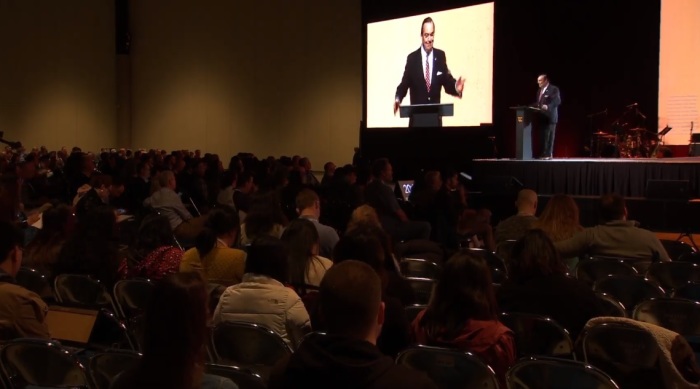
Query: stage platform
{"x":592,"y":176}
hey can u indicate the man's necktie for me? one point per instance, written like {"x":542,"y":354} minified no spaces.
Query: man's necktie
{"x":427,"y":74}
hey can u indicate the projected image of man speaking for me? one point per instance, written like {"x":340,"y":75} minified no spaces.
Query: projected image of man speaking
{"x":426,"y":72}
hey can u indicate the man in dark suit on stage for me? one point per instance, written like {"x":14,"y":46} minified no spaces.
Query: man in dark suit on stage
{"x":426,"y":72}
{"x":548,"y":101}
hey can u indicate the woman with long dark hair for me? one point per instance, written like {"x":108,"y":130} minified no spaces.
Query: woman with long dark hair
{"x":175,"y":336}
{"x":57,"y":226}
{"x":213,"y":255}
{"x":463,"y":314}
{"x":306,"y":267}
{"x":560,"y":221}
{"x":537,"y":283}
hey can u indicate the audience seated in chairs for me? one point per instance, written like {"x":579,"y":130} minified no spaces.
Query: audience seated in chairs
{"x":616,"y":237}
{"x":306,"y":267}
{"x":347,"y":357}
{"x":538,"y":284}
{"x":213,"y":255}
{"x":174,"y":339}
{"x":155,"y":251}
{"x":22,"y":312}
{"x":517,"y":225}
{"x":560,"y":221}
{"x":463,"y":314}
{"x":262,"y":298}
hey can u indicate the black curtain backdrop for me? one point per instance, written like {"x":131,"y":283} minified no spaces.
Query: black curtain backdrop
{"x":602,"y":54}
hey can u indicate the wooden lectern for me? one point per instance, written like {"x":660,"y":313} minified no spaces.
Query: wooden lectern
{"x":523,"y":131}
{"x":426,"y":115}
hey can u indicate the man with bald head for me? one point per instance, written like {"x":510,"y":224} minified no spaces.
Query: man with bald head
{"x":515,"y":227}
{"x":350,"y":299}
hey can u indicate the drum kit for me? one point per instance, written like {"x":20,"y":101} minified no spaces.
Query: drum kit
{"x":630,"y":139}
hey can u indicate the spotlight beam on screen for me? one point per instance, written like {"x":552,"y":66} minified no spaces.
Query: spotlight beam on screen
{"x":464,"y":34}
{"x":679,"y":61}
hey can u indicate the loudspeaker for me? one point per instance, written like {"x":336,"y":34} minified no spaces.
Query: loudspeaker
{"x":500,"y":184}
{"x":694,"y":149}
{"x":668,"y":189}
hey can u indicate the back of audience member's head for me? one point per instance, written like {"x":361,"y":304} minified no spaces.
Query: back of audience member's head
{"x":57,"y":223}
{"x":612,"y":207}
{"x":378,"y":167}
{"x":301,"y":240}
{"x":11,"y":238}
{"x":265,"y":211}
{"x":363,"y":215}
{"x":527,"y":201}
{"x":154,"y":232}
{"x":362,"y":246}
{"x":464,"y":291}
{"x":350,"y":300}
{"x":383,"y":238}
{"x":534,"y":255}
{"x":221,"y":221}
{"x":560,"y":218}
{"x":175,"y":330}
{"x":267,"y":256}
{"x":306,"y":198}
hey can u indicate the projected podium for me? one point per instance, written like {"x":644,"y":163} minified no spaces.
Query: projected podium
{"x":426,"y":115}
{"x":523,"y":130}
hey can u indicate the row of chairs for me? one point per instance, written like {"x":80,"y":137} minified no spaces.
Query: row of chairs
{"x":40,"y":363}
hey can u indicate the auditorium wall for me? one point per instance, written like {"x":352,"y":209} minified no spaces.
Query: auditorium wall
{"x":267,"y":77}
{"x":57,"y":82}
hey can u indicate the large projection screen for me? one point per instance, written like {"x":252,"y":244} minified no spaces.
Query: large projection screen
{"x":679,"y":69}
{"x":464,"y":34}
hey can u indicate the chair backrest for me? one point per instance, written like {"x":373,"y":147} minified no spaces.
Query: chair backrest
{"x":629,"y":290}
{"x":81,"y":290}
{"x":40,"y":363}
{"x":413,"y":310}
{"x":449,"y":368}
{"x":693,"y":257}
{"x":639,"y":264}
{"x":499,"y":271}
{"x":244,"y":378}
{"x":133,"y":297}
{"x":538,"y":335}
{"x":676,"y":248}
{"x":616,"y":307}
{"x":628,"y":354}
{"x":104,"y":367}
{"x":592,"y":270}
{"x":422,"y":268}
{"x":678,"y":315}
{"x":671,"y":275}
{"x":689,"y":291}
{"x":422,"y":288}
{"x":33,"y":280}
{"x":247,"y":345}
{"x":504,"y":249}
{"x":555,"y":373}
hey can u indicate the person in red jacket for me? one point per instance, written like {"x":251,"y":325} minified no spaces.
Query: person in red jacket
{"x":463,"y":315}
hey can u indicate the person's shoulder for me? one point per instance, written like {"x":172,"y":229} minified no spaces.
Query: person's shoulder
{"x":414,"y":53}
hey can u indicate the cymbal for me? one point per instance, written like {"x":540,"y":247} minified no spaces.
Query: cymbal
{"x":638,"y":129}
{"x":600,"y":133}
